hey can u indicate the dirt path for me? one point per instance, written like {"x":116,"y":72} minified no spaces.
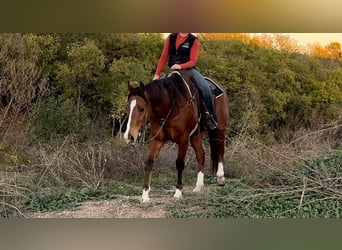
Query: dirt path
{"x":125,"y":207}
{"x":130,"y":206}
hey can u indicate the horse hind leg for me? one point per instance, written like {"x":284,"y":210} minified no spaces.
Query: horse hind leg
{"x":216,"y":138}
{"x":221,"y":180}
{"x":180,"y":165}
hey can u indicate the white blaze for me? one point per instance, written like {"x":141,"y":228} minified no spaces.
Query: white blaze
{"x":131,"y":108}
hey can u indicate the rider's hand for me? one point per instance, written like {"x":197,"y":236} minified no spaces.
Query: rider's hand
{"x":155,"y":77}
{"x":176,"y":66}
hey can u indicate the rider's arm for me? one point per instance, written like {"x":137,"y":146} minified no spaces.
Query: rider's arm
{"x":163,"y":58}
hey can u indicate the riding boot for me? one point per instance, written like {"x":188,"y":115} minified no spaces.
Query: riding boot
{"x":210,"y":121}
{"x":204,"y":89}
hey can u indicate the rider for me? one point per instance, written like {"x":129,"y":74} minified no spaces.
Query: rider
{"x":181,"y":50}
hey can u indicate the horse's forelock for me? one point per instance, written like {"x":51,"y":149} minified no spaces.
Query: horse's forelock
{"x":136,"y":92}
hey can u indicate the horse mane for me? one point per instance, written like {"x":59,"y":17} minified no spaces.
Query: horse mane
{"x":173,"y":85}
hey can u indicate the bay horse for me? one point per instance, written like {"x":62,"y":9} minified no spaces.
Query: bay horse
{"x":172,"y":106}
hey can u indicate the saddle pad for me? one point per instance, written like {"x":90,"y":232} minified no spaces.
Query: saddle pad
{"x":215,"y":88}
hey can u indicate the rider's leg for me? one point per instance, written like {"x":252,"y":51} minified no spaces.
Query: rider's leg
{"x":204,"y":87}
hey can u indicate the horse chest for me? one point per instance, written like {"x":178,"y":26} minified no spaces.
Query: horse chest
{"x":165,"y":132}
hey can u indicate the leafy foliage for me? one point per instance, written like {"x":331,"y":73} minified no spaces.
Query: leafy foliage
{"x":70,"y":199}
{"x":67,"y":84}
{"x":57,"y":118}
{"x":283,"y":89}
{"x":21,"y":80}
{"x":319,"y":197}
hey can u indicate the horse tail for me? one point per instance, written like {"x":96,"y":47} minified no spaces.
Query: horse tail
{"x":213,"y":151}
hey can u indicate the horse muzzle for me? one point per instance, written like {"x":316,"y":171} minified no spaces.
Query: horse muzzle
{"x":131,"y":139}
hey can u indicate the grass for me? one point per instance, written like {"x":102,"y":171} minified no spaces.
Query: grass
{"x":319,"y":196}
{"x":66,"y":175}
{"x":57,"y":200}
{"x":236,"y":200}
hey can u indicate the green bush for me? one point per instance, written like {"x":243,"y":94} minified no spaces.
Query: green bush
{"x":56,"y":118}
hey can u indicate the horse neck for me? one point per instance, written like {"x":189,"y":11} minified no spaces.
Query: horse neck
{"x":161,"y":109}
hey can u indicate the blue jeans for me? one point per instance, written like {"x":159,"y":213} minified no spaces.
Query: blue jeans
{"x":204,"y":88}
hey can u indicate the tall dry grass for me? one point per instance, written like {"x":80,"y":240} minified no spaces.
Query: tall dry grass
{"x":93,"y":163}
{"x":273,"y":163}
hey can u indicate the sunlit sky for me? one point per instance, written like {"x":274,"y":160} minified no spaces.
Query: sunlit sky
{"x":304,"y":39}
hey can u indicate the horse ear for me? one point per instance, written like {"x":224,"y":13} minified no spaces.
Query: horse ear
{"x":142,"y":87}
{"x":130,"y":87}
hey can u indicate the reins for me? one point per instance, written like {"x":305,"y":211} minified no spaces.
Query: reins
{"x":164,"y":120}
{"x":163,"y":123}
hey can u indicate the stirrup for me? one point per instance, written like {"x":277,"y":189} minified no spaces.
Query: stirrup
{"x":210,"y":123}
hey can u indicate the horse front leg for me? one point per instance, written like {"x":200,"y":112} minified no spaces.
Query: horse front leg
{"x":180,"y":164}
{"x":154,"y":148}
{"x":196,"y":143}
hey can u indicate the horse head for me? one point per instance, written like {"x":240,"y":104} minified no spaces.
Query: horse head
{"x":137,"y":109}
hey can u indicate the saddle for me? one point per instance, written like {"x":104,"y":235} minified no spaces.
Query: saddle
{"x":216,"y":89}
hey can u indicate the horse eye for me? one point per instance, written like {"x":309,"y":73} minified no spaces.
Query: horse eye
{"x":141,"y":110}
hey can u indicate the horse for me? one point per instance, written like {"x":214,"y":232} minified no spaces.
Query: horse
{"x":172,"y":106}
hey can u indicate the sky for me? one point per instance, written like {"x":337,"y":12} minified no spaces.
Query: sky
{"x":304,"y":39}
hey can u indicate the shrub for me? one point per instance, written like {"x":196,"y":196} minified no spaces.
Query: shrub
{"x":56,"y":118}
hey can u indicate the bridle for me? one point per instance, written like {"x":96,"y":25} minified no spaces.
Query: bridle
{"x":165,"y":119}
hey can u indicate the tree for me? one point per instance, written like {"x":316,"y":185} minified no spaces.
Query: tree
{"x":285,"y":43}
{"x":318,"y":50}
{"x":334,"y":49}
{"x":21,"y":79}
{"x":81,"y":70}
{"x":263,"y":40}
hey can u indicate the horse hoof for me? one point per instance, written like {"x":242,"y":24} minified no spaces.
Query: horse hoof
{"x":178,"y":194}
{"x":145,"y":201}
{"x":145,"y":197}
{"x":221,"y":181}
{"x":197,"y":189}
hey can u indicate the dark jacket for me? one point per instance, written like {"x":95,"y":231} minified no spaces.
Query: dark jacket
{"x":182,"y":55}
